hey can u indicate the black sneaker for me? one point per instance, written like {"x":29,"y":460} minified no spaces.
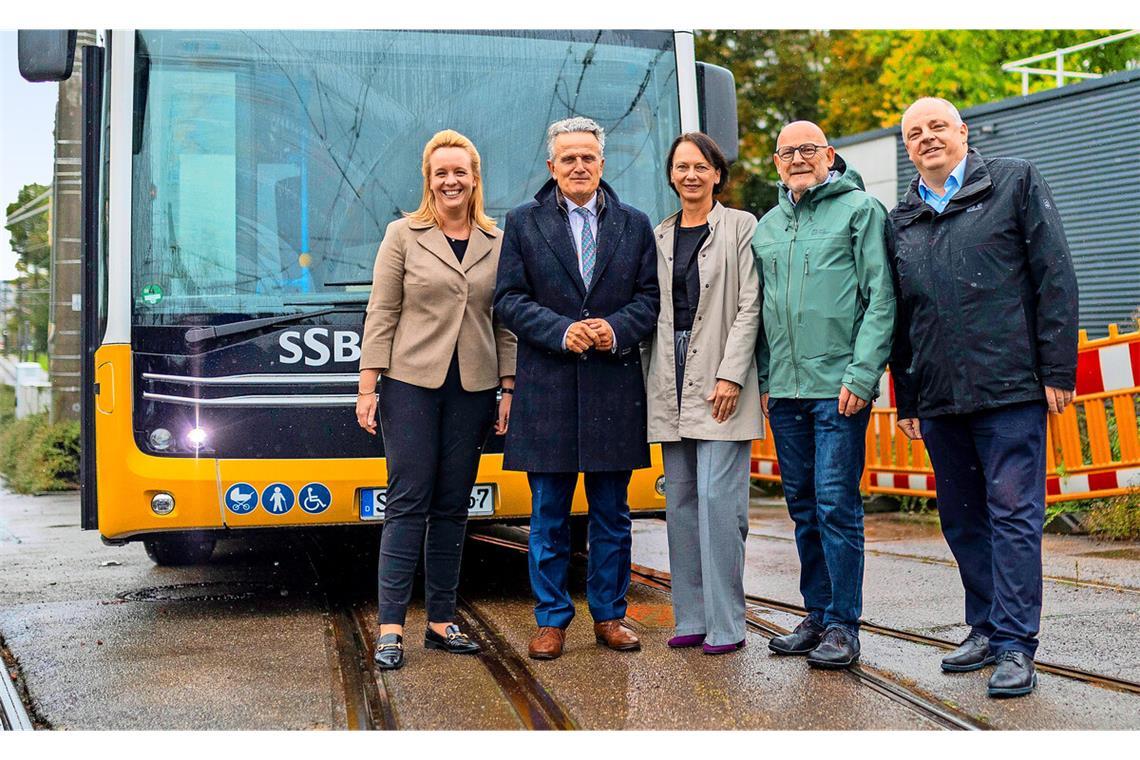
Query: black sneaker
{"x":801,"y":641}
{"x":837,"y":649}
{"x":1014,"y":676}
{"x":389,"y":652}
{"x":454,"y":642}
{"x":972,"y":654}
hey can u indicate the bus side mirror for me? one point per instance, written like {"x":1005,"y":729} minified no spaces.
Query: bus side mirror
{"x":716,"y":105}
{"x":46,"y":55}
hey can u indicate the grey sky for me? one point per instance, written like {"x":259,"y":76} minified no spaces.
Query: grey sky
{"x":27,"y":119}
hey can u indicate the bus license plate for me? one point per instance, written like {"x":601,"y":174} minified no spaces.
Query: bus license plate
{"x":373,"y":501}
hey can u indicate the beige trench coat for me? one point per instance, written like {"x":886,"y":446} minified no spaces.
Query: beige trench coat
{"x":425,"y":305}
{"x":723,"y":341}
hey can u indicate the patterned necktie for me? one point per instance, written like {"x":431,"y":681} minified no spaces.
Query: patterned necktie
{"x":589,"y":247}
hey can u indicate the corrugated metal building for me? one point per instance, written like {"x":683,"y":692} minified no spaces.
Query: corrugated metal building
{"x":1085,"y":139}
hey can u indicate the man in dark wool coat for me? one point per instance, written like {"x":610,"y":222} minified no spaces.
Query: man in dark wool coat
{"x":577,"y":284}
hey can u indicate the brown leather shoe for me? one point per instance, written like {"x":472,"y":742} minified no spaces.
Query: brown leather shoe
{"x":547,"y":643}
{"x":616,"y":635}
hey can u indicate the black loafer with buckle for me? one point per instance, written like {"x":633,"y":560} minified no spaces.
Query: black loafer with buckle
{"x":454,"y":642}
{"x":389,"y":653}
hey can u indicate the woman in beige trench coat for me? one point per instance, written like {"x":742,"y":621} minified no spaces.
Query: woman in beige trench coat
{"x":703,"y":396}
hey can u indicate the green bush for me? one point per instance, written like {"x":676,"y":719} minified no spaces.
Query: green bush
{"x":1117,"y":517}
{"x":36,"y":455}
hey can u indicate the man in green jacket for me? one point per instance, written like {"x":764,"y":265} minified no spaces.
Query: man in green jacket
{"x":828,"y":316}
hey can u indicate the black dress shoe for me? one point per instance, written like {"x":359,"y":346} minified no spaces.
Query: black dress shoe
{"x":837,"y":649}
{"x":972,"y":654}
{"x":1014,"y":676}
{"x":454,"y":642}
{"x":802,"y":640}
{"x":389,"y":653}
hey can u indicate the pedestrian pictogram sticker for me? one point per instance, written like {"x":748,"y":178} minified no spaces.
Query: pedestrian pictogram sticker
{"x":315,"y":498}
{"x":241,"y":498}
{"x":277,"y":498}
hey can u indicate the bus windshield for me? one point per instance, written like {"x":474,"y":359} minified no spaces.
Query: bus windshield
{"x":267,"y":164}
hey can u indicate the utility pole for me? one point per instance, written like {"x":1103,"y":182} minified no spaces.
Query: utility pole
{"x":65,"y":351}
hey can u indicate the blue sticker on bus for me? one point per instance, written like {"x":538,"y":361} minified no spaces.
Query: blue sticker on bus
{"x":241,"y":498}
{"x":315,"y":498}
{"x":277,"y":498}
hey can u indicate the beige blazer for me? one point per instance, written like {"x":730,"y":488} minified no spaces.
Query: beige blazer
{"x":424,"y":303}
{"x":723,"y":341}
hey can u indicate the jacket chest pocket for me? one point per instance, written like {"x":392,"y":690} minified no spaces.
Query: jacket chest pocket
{"x":828,"y":297}
{"x":911,"y":267}
{"x":768,"y":267}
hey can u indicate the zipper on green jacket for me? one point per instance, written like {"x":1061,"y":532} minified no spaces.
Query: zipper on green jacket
{"x":788,"y":300}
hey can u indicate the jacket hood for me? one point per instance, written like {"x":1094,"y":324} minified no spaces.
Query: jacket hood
{"x":847,"y":181}
{"x":977,"y":180}
{"x":546,"y":193}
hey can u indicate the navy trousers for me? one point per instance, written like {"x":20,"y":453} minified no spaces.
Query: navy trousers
{"x":607,"y":571}
{"x":989,"y":469}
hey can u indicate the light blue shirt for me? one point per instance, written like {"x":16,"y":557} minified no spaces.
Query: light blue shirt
{"x":576,"y":223}
{"x":953,"y":185}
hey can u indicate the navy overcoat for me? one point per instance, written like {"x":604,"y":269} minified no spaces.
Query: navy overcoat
{"x":576,"y":412}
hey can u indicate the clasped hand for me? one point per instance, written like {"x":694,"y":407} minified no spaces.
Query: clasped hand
{"x":590,"y":333}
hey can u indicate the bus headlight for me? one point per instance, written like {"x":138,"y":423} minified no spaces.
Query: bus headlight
{"x":160,"y":439}
{"x":659,"y":486}
{"x":162,"y":503}
{"x":197,"y":437}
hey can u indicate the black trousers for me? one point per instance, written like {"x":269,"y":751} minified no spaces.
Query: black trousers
{"x":432,"y":439}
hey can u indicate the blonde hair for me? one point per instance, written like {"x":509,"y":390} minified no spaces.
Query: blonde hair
{"x":449,"y":138}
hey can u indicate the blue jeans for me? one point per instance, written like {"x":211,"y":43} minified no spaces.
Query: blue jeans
{"x":607,"y":569}
{"x":821,"y":456}
{"x":989,"y":469}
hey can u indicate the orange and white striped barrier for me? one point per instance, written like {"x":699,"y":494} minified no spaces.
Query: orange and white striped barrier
{"x":1093,"y":448}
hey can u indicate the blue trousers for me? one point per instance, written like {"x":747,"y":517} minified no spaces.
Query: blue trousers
{"x":989,"y":470}
{"x":607,"y":571}
{"x":821,"y":456}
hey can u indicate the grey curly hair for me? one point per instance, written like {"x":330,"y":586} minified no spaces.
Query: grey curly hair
{"x":574,"y":124}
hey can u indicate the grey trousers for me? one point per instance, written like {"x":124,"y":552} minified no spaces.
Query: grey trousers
{"x":706,"y":508}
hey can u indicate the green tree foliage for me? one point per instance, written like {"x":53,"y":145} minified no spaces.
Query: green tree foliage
{"x":31,"y":240}
{"x":851,"y":81}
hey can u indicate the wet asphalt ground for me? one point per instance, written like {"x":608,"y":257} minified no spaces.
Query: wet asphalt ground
{"x":101,"y":638}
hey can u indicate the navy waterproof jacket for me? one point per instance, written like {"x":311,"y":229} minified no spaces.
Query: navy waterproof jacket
{"x":987,"y":306}
{"x":571,"y":412}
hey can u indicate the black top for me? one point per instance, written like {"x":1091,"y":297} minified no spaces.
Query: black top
{"x":686,"y":277}
{"x":987,"y":294}
{"x":459,"y":247}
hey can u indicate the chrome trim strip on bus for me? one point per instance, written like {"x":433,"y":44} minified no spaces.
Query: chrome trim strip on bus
{"x":246,"y":401}
{"x":687,"y":80}
{"x":122,"y":96}
{"x":256,"y":379}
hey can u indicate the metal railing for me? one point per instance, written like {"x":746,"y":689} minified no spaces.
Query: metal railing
{"x":1020,"y":66}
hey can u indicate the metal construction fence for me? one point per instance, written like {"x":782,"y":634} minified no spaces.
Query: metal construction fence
{"x":1093,"y":448}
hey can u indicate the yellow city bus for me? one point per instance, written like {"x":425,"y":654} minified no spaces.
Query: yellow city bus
{"x":236,"y":187}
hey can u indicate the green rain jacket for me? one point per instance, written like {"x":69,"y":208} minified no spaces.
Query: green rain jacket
{"x":828,"y":300}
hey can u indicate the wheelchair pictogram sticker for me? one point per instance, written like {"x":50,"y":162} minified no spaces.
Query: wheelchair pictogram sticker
{"x":315,"y":498}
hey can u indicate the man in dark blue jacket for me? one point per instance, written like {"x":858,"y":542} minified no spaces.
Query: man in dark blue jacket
{"x":986,"y":342}
{"x":577,"y":284}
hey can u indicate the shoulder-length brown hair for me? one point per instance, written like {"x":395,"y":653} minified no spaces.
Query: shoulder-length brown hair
{"x":449,"y":138}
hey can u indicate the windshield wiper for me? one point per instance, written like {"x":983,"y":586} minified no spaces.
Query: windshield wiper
{"x":199,"y":334}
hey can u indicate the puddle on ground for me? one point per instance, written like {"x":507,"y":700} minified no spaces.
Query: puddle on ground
{"x":231,"y":591}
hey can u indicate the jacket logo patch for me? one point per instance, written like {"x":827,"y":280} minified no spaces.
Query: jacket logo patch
{"x":975,"y":207}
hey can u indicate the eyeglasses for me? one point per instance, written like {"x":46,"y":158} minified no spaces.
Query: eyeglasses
{"x":807,"y":150}
{"x":698,"y":168}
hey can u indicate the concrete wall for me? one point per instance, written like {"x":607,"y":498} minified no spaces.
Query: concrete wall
{"x":876,"y":162}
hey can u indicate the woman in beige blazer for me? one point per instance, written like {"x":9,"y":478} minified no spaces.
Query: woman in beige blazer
{"x":431,"y":359}
{"x":703,"y":394}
